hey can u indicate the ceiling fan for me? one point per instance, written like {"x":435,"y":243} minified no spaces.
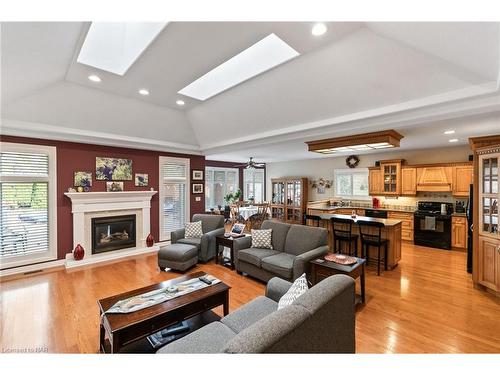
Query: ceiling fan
{"x":252,"y":164}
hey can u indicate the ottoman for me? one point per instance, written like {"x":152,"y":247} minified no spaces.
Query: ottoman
{"x":177,"y":256}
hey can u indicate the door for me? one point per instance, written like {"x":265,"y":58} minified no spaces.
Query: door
{"x":375,"y":181}
{"x":390,"y":178}
{"x":459,"y":232}
{"x":488,"y":262}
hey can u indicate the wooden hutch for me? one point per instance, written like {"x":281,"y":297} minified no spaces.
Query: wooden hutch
{"x":486,"y":236}
{"x":289,"y":199}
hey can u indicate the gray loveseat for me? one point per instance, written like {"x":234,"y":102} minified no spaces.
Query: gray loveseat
{"x":293,"y":247}
{"x":322,"y":320}
{"x":212,"y":225}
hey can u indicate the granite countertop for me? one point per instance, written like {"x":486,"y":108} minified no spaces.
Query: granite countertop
{"x":386,"y":222}
{"x":330,"y":208}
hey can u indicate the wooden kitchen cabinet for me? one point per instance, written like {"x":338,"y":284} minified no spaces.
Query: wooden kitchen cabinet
{"x":434,"y":178}
{"x":406,"y":223}
{"x":408,"y":181}
{"x":374,"y":181}
{"x":489,"y":259}
{"x":289,"y":199}
{"x":462,"y":178}
{"x":391,"y":177}
{"x":459,"y":232}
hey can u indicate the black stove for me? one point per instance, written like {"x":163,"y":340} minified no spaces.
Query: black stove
{"x":432,"y":227}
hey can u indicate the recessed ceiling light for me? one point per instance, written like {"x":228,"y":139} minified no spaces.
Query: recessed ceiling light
{"x":180,"y":102}
{"x":319,"y":29}
{"x":453,"y":140}
{"x":447,"y":132}
{"x":143,"y":92}
{"x":256,"y":59}
{"x":115,"y":46}
{"x":94,"y":78}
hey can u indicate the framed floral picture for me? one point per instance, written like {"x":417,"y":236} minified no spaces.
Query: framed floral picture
{"x":83,"y":179}
{"x":112,"y":169}
{"x":141,"y":179}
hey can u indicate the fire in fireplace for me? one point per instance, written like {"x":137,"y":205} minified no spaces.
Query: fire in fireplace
{"x":113,"y":233}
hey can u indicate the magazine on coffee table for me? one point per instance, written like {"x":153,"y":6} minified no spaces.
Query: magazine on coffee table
{"x":156,"y":297}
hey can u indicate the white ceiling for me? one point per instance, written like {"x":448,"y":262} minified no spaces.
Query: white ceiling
{"x":357,"y":77}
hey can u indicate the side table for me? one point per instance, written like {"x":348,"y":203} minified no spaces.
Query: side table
{"x":322,"y":270}
{"x":220,"y":243}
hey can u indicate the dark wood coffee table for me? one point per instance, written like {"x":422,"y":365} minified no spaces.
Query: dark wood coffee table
{"x":322,"y":270}
{"x":124,"y":329}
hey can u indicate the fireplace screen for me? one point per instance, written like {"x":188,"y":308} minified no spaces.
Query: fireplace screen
{"x":113,"y":233}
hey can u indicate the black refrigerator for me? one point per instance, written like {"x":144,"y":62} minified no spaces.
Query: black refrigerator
{"x":470,"y":210}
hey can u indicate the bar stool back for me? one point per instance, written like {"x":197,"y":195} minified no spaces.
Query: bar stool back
{"x":371,"y":236}
{"x":314,"y":218}
{"x":342,"y":233}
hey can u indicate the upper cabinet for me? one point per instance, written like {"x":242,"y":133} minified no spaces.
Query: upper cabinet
{"x":374,"y":181}
{"x":434,"y":178}
{"x":462,"y":179}
{"x":391,"y":177}
{"x":408,"y":181}
{"x":395,"y":178}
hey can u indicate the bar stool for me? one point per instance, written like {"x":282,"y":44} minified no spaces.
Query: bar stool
{"x":371,"y":235}
{"x":315,"y":218}
{"x":342,"y":232}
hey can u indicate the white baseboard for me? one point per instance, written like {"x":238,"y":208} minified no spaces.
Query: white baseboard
{"x":32,"y":267}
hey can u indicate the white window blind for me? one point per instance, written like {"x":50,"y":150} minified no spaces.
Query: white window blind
{"x":351,"y":183}
{"x":28,"y":205}
{"x":174,"y":195}
{"x":253,"y":182}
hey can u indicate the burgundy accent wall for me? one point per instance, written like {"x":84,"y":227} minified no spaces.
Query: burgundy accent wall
{"x":73,"y":157}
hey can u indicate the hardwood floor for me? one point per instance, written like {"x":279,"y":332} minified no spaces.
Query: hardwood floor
{"x":426,"y":305}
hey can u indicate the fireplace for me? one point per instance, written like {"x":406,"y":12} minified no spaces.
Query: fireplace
{"x":113,"y":233}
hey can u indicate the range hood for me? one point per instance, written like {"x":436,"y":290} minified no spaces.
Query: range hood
{"x":434,"y":179}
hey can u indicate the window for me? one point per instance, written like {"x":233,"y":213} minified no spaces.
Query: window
{"x":253,"y":183}
{"x":28,"y":225}
{"x":174,"y":195}
{"x":351,"y":183}
{"x":218,"y":183}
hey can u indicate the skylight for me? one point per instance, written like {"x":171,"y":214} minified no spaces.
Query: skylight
{"x":115,"y":46}
{"x":260,"y":57}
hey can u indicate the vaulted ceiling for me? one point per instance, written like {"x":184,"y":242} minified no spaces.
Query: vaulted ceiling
{"x":415,"y":77}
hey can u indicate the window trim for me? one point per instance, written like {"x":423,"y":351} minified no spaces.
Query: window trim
{"x":164,"y":160}
{"x":51,"y":151}
{"x":350,"y":171}
{"x":224,"y":169}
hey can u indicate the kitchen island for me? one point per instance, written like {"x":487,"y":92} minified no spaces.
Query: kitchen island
{"x":391,"y":231}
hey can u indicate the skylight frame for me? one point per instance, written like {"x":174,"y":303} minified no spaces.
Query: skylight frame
{"x":257,"y":59}
{"x":115,"y":46}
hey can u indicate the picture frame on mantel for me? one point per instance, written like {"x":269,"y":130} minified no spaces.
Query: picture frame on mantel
{"x":197,"y":188}
{"x":197,"y":175}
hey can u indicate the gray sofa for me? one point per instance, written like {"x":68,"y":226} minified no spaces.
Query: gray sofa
{"x":320,"y":321}
{"x":293,"y":247}
{"x":212,"y":225}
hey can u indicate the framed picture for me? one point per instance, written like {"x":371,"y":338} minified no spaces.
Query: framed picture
{"x":83,"y":179}
{"x":197,"y":188}
{"x":114,"y":186}
{"x":112,"y":169}
{"x":197,"y":175}
{"x":141,"y":179}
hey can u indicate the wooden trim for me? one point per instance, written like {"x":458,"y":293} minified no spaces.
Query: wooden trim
{"x":453,"y":164}
{"x":390,"y":136}
{"x":485,"y":141}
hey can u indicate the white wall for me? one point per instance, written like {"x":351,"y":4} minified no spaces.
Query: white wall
{"x":316,"y":168}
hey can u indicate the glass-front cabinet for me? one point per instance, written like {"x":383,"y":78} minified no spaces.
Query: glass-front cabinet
{"x":391,"y":178}
{"x":289,"y":199}
{"x":488,"y":194}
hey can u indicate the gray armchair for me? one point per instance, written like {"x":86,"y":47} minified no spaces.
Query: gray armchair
{"x":212,"y":226}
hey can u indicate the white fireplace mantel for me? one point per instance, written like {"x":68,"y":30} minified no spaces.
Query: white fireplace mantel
{"x":85,"y":205}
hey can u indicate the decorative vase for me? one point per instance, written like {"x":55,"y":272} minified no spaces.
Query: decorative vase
{"x":150,"y":240}
{"x":79,"y":252}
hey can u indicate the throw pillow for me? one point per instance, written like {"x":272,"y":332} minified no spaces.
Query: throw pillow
{"x":193,"y":230}
{"x":298,"y":288}
{"x":261,"y":238}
